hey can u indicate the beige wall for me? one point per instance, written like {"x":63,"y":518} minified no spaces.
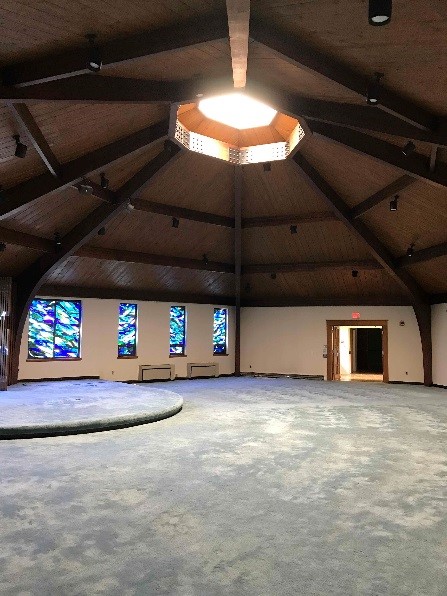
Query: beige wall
{"x":290,"y":340}
{"x":99,"y":343}
{"x":439,"y":338}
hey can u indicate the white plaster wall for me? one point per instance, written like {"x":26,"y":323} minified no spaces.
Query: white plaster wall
{"x":99,"y":343}
{"x":290,"y":340}
{"x":439,"y":341}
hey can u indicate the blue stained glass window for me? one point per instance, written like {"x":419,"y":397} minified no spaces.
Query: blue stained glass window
{"x":177,"y":330}
{"x":127,"y":330}
{"x":220,"y":331}
{"x":54,"y":329}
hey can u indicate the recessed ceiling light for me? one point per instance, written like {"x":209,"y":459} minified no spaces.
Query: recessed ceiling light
{"x":237,"y":110}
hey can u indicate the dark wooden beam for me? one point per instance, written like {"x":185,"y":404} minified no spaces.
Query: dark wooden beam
{"x":354,"y":301}
{"x":238,"y":12}
{"x":438,"y":298}
{"x":32,"y":131}
{"x":133,"y":294}
{"x":433,"y":158}
{"x":381,"y":195}
{"x":25,"y":240}
{"x":146,"y":43}
{"x":238,"y":194}
{"x":425,"y":254}
{"x":285,"y":220}
{"x":73,"y":171}
{"x":301,"y":54}
{"x":310,"y":266}
{"x":183,"y":213}
{"x":414,"y":165}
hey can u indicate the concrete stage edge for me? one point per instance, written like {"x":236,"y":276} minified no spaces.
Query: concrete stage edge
{"x":43,"y":409}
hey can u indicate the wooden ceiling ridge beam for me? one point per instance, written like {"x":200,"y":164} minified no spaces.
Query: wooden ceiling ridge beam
{"x":414,"y":164}
{"x":310,"y":266}
{"x":73,"y":61}
{"x":303,"y":55}
{"x":73,"y":171}
{"x":283,"y":220}
{"x":238,"y":13}
{"x":423,"y":255}
{"x":354,"y":301}
{"x":381,"y":195}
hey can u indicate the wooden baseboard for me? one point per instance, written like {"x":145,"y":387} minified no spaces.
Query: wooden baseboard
{"x":82,"y":378}
{"x":283,"y":375}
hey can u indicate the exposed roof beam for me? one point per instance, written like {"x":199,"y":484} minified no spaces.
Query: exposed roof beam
{"x":284,"y":220}
{"x":414,"y":165}
{"x":425,"y":254}
{"x":433,"y":158}
{"x":25,"y":240}
{"x":360,"y":230}
{"x":295,"y":51}
{"x":183,"y":213}
{"x":353,"y":301}
{"x":74,"y":61}
{"x":133,"y":294}
{"x":381,"y":195}
{"x":238,"y":13}
{"x":73,"y":171}
{"x":438,"y":298}
{"x":310,"y":266}
{"x":30,"y":128}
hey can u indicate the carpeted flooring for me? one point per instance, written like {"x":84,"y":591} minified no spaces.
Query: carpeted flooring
{"x":260,"y":487}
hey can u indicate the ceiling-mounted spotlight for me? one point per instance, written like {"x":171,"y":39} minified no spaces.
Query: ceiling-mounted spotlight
{"x":410,"y":250}
{"x":373,"y":92}
{"x":205,"y":259}
{"x":272,"y":275}
{"x":21,"y":149}
{"x":2,"y":247}
{"x":380,"y":12}
{"x":248,"y":288}
{"x":293,"y":229}
{"x":175,"y":222}
{"x":129,"y":206}
{"x":409,"y":148}
{"x":94,"y":61}
{"x":393,"y":203}
{"x":85,"y":188}
{"x":104,"y":181}
{"x":102,"y":231}
{"x":57,"y":240}
{"x":355,"y":273}
{"x":267,"y":166}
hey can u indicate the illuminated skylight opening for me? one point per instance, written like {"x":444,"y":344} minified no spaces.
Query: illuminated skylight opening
{"x":237,"y":110}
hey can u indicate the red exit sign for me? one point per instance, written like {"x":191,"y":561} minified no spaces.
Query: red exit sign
{"x":356,"y":315}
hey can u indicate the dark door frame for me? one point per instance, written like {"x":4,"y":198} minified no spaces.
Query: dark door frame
{"x":330,"y":324}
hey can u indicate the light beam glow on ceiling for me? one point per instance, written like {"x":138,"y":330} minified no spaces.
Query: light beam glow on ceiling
{"x":237,"y":110}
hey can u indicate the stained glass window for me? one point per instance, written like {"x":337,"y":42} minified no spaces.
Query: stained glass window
{"x":220,"y":331}
{"x":127,"y":330}
{"x":177,"y":330}
{"x":54,"y":329}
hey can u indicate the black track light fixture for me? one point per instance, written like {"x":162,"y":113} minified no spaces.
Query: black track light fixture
{"x":373,"y":92}
{"x":85,"y":188}
{"x":380,"y":12}
{"x":393,"y":203}
{"x":409,"y":148}
{"x":293,"y":229}
{"x":355,"y":273}
{"x":21,"y":149}
{"x":272,"y":275}
{"x":2,"y":247}
{"x":57,"y":240}
{"x":205,"y":259}
{"x":94,"y":61}
{"x":267,"y":166}
{"x":248,"y":288}
{"x":104,"y":181}
{"x":410,"y":250}
{"x":175,"y":222}
{"x":102,"y":231}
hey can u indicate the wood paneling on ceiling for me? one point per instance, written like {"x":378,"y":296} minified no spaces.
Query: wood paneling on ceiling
{"x":15,"y":259}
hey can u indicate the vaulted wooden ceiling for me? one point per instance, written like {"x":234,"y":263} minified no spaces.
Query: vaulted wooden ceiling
{"x":312,"y":60}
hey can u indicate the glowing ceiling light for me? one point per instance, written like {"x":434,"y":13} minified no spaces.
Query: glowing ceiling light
{"x":237,"y":110}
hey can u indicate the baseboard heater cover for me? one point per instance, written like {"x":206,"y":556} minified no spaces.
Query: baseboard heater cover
{"x":202,"y":369}
{"x":156,"y":372}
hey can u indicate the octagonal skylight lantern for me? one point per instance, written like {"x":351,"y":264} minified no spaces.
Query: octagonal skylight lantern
{"x":236,"y":128}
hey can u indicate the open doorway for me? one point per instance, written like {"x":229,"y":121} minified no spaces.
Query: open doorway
{"x":357,"y":351}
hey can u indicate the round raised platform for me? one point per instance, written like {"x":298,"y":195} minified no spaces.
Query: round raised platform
{"x":29,"y":410}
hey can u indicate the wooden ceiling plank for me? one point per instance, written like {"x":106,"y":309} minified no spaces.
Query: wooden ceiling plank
{"x":297,"y":52}
{"x":32,"y":131}
{"x":75,"y":170}
{"x":238,"y":13}
{"x":146,"y":43}
{"x":425,"y":254}
{"x":310,"y":266}
{"x":283,"y":220}
{"x":414,"y":165}
{"x":381,"y":195}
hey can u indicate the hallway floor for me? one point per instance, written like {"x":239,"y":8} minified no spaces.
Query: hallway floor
{"x":259,"y":487}
{"x":362,"y":377}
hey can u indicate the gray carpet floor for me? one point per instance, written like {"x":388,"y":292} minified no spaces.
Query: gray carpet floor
{"x":258,"y":487}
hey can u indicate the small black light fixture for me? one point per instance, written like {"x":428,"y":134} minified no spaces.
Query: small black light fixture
{"x":248,"y":288}
{"x":355,"y":273}
{"x":293,"y":229}
{"x":94,"y":61}
{"x":85,"y":188}
{"x":393,"y":203}
{"x":130,"y":207}
{"x":57,"y":240}
{"x":409,"y":148}
{"x":273,"y":275}
{"x":102,"y":231}
{"x":380,"y":12}
{"x":267,"y":166}
{"x":373,"y":92}
{"x":104,"y":181}
{"x":21,"y":149}
{"x":2,"y":193}
{"x":205,"y":259}
{"x":2,"y":247}
{"x":410,"y":250}
{"x":175,"y":222}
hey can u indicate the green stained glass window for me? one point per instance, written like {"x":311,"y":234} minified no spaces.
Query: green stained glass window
{"x":54,"y":329}
{"x":177,"y":330}
{"x":220,"y":328}
{"x":127,"y":330}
